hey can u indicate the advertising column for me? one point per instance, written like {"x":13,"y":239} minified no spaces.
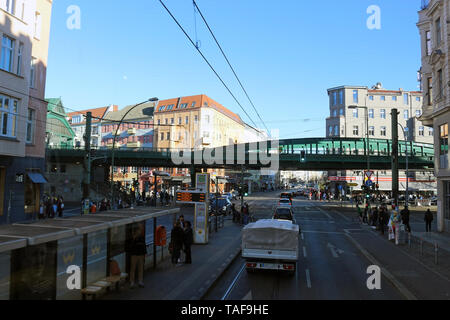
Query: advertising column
{"x":201,"y":210}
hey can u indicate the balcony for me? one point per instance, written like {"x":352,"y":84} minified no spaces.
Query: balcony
{"x":131,"y":131}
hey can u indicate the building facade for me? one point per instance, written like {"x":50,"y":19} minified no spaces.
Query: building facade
{"x":435,"y":81}
{"x":349,"y":108}
{"x":24,"y":34}
{"x":77,"y":121}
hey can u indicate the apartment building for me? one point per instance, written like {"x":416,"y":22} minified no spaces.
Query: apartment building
{"x":24,"y":34}
{"x":435,"y":80}
{"x":198,"y":122}
{"x":77,"y":121}
{"x":349,"y":108}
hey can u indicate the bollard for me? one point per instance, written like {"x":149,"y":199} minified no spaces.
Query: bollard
{"x":409,"y":239}
{"x":435,"y":253}
{"x":421,"y":247}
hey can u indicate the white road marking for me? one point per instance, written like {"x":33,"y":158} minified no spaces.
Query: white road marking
{"x":304,"y":252}
{"x":333,"y":250}
{"x":303,"y":237}
{"x":308,"y":278}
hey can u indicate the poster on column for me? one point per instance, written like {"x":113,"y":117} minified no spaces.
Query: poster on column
{"x":201,"y":224}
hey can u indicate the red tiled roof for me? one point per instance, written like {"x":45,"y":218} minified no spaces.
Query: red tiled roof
{"x":96,"y":113}
{"x":201,"y":101}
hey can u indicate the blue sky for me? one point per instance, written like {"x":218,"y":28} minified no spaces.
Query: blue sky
{"x":286,"y":53}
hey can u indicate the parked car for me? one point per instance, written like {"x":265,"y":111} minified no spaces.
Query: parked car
{"x":433,"y":201}
{"x":222,"y":204}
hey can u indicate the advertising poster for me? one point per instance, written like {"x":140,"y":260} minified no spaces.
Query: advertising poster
{"x":201,"y":224}
{"x":70,"y":252}
{"x":96,"y":256}
{"x":34,"y":268}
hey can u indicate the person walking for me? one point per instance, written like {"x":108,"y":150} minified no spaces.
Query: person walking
{"x":60,"y":207}
{"x":405,"y":218}
{"x":428,"y":219}
{"x":188,"y":239}
{"x":375,"y":215}
{"x":41,"y":210}
{"x":360,"y":213}
{"x":176,"y":239}
{"x":137,"y":250}
{"x":383,"y":219}
{"x":54,"y":208}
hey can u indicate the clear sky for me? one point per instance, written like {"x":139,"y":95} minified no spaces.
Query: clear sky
{"x":287,"y":53}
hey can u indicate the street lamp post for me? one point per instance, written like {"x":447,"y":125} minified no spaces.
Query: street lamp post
{"x":407,"y":171}
{"x":114,"y":144}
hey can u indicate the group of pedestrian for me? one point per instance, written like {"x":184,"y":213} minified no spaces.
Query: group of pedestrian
{"x":51,"y":207}
{"x":181,"y":239}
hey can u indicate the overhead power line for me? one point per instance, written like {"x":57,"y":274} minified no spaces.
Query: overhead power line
{"x":229,"y":64}
{"x":206,"y":60}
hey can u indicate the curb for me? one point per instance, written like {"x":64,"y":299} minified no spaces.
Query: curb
{"x":201,"y":293}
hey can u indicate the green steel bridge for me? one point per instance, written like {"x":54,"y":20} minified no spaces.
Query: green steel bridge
{"x":312,"y":154}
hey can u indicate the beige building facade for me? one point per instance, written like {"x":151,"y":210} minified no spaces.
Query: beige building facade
{"x":435,"y":80}
{"x":376,"y":103}
{"x":24,"y":36}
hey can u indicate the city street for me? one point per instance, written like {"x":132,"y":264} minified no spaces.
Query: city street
{"x":333,"y":262}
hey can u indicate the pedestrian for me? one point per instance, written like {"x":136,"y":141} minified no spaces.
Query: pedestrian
{"x":234,"y":211}
{"x":405,"y":218}
{"x":60,"y":207}
{"x":54,"y":209}
{"x":394,"y":224}
{"x":176,"y":242}
{"x":383,"y":219}
{"x":93,"y":207}
{"x":182,"y":221}
{"x":360,"y":213}
{"x":137,"y":249}
{"x":41,"y":210}
{"x":375,"y":214}
{"x":366,"y":213}
{"x":187,"y":242}
{"x":428,"y":219}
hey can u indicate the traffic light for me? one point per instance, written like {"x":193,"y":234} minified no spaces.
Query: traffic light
{"x":303,"y":155}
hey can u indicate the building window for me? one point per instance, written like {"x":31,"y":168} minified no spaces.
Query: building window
{"x":180,"y":120}
{"x":405,"y":98}
{"x":33,"y":72}
{"x":195,"y":119}
{"x":168,"y":136}
{"x":159,"y":122}
{"x":394,"y":98}
{"x":30,"y":127}
{"x":341,"y":97}
{"x":334,"y":113}
{"x":383,"y":113}
{"x":11,"y":6}
{"x":430,"y":131}
{"x":406,"y":114}
{"x":336,"y":130}
{"x":355,"y":113}
{"x":438,"y":31}
{"x":341,"y":111}
{"x":37,"y":25}
{"x":355,"y":96}
{"x":371,"y":98}
{"x":418,"y":99}
{"x":383,"y":131}
{"x":162,"y":136}
{"x":443,"y":146}
{"x":421,"y":131}
{"x":355,"y":130}
{"x":371,"y":131}
{"x":371,"y":113}
{"x":166,"y":121}
{"x":172,"y":120}
{"x":430,"y":90}
{"x":170,"y":107}
{"x":8,"y":116}
{"x":330,"y":130}
{"x":193,"y":104}
{"x":187,"y":120}
{"x":418,"y":113}
{"x":7,"y":53}
{"x":383,"y":98}
{"x":161,"y":108}
{"x":19,"y":59}
{"x":428,"y":43}
{"x":440,"y":87}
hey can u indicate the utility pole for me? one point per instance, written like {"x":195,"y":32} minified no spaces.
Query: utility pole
{"x":394,"y":122}
{"x":87,"y":157}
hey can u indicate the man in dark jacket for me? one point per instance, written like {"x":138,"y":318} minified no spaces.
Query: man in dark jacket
{"x":176,"y":239}
{"x":188,"y":240}
{"x":405,"y":218}
{"x":428,"y":219}
{"x":384,"y":218}
{"x":137,"y":249}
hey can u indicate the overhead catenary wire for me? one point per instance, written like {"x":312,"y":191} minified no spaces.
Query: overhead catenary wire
{"x":231,"y":67}
{"x":207,"y":61}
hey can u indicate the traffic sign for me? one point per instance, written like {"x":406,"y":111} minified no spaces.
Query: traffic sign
{"x":369,"y":183}
{"x":368,"y":174}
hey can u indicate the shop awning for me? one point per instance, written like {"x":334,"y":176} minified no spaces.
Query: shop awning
{"x":36,"y":177}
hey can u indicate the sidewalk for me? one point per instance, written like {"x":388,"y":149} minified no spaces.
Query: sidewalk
{"x":188,"y":282}
{"x":442,"y":239}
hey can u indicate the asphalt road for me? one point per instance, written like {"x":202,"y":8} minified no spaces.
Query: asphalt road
{"x":330,"y":266}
